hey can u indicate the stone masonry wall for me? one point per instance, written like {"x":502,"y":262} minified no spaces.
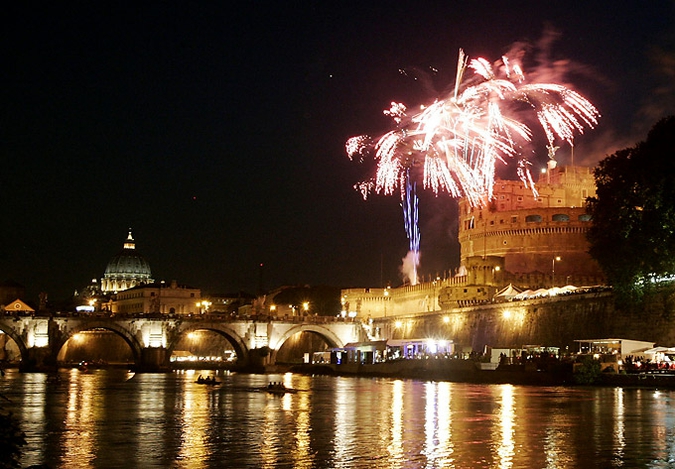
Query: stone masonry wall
{"x":548,"y":322}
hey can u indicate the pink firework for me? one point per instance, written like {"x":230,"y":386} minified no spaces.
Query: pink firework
{"x":459,"y":138}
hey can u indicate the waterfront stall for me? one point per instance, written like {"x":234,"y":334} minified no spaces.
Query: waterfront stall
{"x":359,"y":352}
{"x":656,"y":359}
{"x":419,"y":348}
{"x":611,"y":352}
{"x":380,"y":351}
{"x":623,"y":347}
{"x":321,"y":358}
{"x":519,"y":355}
{"x":660,"y":355}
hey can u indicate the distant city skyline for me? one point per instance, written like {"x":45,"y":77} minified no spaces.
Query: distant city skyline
{"x":217,"y":134}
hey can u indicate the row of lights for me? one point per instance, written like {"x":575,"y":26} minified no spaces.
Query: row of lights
{"x":506,"y":314}
{"x":304,"y":305}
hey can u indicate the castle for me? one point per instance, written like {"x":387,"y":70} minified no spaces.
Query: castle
{"x":524,"y":238}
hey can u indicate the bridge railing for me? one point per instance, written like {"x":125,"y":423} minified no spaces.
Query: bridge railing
{"x":224,"y":317}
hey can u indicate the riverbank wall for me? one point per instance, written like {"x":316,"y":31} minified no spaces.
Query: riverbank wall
{"x":454,"y":370}
{"x":469,"y":371}
{"x":554,"y":322}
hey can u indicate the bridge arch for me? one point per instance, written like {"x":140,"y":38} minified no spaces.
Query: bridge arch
{"x":329,"y":336}
{"x":131,"y":340}
{"x":18,"y":340}
{"x":229,"y":333}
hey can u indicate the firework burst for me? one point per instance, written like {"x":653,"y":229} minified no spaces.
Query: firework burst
{"x":459,"y":138}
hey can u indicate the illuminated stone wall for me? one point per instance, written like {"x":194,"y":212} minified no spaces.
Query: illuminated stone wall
{"x":556,"y":322}
{"x":408,"y":299}
{"x":527,"y":323}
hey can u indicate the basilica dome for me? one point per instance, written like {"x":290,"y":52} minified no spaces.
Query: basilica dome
{"x":126,"y":269}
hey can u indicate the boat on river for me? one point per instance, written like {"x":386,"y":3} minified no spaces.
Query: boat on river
{"x":279,"y":389}
{"x":207,"y":380}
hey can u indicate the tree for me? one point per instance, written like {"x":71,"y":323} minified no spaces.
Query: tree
{"x":588,"y":372}
{"x":633,"y":231}
{"x":321,"y":300}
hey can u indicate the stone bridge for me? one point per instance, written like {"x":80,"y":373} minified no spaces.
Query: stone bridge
{"x":152,"y":340}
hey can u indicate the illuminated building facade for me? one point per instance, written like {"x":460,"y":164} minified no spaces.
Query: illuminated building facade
{"x":385,"y":302}
{"x":127,"y":287}
{"x":158,"y":298}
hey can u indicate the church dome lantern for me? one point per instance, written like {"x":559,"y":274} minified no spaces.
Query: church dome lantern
{"x":126,"y":269}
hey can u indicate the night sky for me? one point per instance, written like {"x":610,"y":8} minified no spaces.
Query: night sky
{"x":216,"y":130}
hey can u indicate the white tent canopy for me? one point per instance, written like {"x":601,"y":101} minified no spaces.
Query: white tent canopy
{"x":508,"y":292}
{"x":544,"y":292}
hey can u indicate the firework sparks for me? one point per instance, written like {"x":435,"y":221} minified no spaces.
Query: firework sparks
{"x":459,"y":138}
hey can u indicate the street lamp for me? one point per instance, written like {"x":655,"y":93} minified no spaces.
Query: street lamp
{"x":556,"y":258}
{"x":495,"y":272}
{"x":203,"y":306}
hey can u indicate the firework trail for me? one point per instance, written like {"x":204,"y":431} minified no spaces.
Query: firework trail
{"x":411,"y":217}
{"x":459,"y":138}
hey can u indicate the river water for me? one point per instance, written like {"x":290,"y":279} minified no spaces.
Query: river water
{"x":117,"y":419}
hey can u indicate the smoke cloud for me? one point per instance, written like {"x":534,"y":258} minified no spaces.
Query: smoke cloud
{"x":409,"y":267}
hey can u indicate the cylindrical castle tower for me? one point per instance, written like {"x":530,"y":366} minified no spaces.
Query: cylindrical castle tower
{"x":542,"y":238}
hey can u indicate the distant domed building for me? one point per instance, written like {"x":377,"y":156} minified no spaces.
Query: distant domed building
{"x":127,"y":269}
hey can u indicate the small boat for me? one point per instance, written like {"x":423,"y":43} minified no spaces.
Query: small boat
{"x":279,"y":388}
{"x":207,"y":380}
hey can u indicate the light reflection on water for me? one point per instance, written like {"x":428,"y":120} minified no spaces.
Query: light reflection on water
{"x":110,"y":419}
{"x":193,"y":418}
{"x":396,"y":445}
{"x":506,"y":414}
